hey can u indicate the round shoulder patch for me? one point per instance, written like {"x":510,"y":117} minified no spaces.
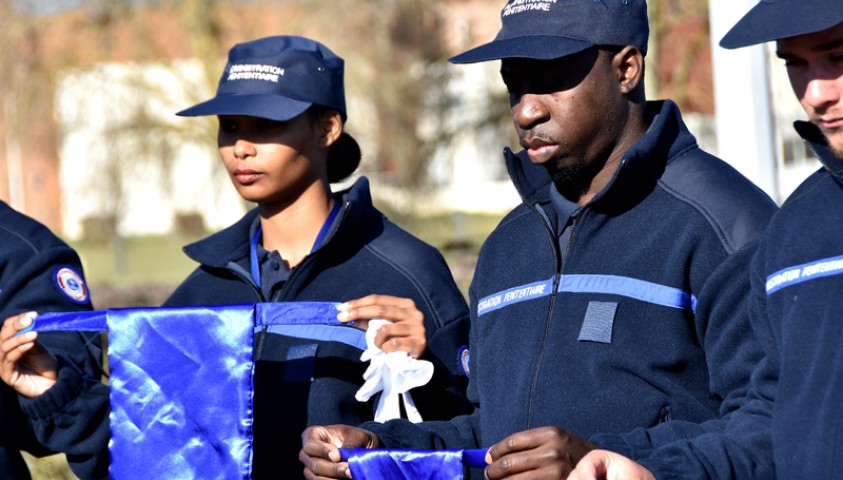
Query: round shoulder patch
{"x":71,"y":285}
{"x":464,"y":354}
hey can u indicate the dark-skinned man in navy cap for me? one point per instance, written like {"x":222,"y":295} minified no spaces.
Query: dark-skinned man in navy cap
{"x":793,"y":422}
{"x":593,"y":302}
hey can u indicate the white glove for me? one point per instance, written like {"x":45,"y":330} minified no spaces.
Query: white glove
{"x":395,"y":373}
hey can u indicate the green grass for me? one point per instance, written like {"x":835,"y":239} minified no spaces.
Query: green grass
{"x":138,"y":260}
{"x":53,"y":467}
{"x":449,"y":232}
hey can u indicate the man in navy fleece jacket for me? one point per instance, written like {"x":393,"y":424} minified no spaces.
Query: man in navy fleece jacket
{"x":612,"y":298}
{"x":794,"y":419}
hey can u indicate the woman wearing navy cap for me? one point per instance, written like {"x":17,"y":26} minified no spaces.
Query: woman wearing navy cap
{"x":281,"y":110}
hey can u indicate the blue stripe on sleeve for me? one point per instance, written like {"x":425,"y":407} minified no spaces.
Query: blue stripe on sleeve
{"x":802,"y":273}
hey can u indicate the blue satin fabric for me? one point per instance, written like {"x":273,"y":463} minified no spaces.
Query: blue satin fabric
{"x":377,"y":464}
{"x":181,"y":392}
{"x":87,"y":321}
{"x":181,"y":383}
{"x":297,"y":313}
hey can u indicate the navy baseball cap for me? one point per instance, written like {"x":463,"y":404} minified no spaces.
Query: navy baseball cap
{"x":276,"y":78}
{"x":548,"y":29}
{"x":776,"y":19}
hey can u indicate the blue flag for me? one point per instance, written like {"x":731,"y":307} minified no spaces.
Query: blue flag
{"x":380,"y":464}
{"x":182,"y":393}
{"x":181,"y":383}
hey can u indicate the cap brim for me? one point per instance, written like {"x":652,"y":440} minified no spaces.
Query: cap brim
{"x":272,"y":107}
{"x":538,"y":47}
{"x":769,"y":21}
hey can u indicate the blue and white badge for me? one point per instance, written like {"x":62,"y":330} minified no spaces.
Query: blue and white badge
{"x":71,"y":285}
{"x":464,"y":357}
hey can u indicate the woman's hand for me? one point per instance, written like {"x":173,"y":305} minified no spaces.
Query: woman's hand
{"x":406,"y":333}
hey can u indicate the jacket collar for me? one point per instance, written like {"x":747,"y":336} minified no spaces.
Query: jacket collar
{"x":232,"y":244}
{"x":666,"y":138}
{"x":819,"y":145}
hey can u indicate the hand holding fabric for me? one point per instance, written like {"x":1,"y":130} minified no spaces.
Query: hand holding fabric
{"x":406,"y":331}
{"x":545,"y":452}
{"x":606,"y":465}
{"x":320,"y":452}
{"x":25,"y":365}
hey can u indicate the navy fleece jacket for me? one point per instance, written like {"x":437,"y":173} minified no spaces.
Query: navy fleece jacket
{"x":614,"y":331}
{"x":793,"y":423}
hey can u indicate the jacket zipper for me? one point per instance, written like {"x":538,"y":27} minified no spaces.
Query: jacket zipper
{"x":559,"y":261}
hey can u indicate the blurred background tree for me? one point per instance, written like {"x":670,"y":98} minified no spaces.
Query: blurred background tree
{"x":679,"y":57}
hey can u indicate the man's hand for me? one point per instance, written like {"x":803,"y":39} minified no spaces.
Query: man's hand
{"x":320,"y":449}
{"x":546,"y":452}
{"x":605,"y":465}
{"x":406,"y":333}
{"x":25,"y":365}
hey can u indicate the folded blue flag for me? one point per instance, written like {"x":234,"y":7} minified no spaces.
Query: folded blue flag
{"x":181,"y":392}
{"x":181,"y":383}
{"x":377,"y":464}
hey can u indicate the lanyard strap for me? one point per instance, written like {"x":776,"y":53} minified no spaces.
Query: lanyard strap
{"x":320,"y":237}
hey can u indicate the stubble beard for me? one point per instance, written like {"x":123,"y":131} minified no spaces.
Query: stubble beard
{"x":836,"y":148}
{"x":565,"y":175}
